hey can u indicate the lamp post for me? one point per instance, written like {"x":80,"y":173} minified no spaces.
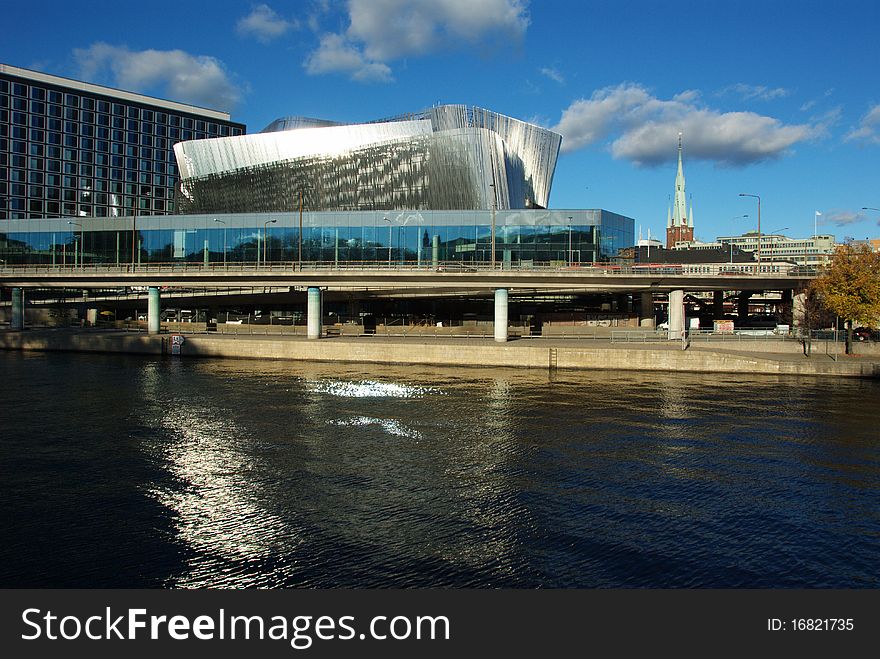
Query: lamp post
{"x":758,"y":197}
{"x":266,"y":237}
{"x":738,"y":217}
{"x":224,"y":240}
{"x":494,"y":205}
{"x":569,"y":242}
{"x":82,"y":240}
{"x":389,"y":240}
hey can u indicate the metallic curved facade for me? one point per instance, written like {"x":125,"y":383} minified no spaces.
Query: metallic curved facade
{"x":450,"y":157}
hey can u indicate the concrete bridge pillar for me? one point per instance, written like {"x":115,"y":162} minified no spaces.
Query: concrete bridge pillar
{"x":313,"y":312}
{"x":17,"y":320}
{"x":501,"y":315}
{"x":623,"y":303}
{"x":153,"y":310}
{"x":646,"y":310}
{"x":718,"y":305}
{"x":676,"y":314}
{"x":742,"y":306}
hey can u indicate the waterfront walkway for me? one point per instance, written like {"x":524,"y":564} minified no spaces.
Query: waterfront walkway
{"x":765,"y":358}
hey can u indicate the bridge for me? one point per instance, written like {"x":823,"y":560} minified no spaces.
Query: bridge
{"x":402,"y":278}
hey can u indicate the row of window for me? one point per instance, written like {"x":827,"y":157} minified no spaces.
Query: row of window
{"x":15,"y":208}
{"x":54,"y":190}
{"x":19,"y":121}
{"x":20,"y":134}
{"x":19,"y":92}
{"x":85,"y":180}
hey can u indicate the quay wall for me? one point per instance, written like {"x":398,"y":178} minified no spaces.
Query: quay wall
{"x":469,"y":353}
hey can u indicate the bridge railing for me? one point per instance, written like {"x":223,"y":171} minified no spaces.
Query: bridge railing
{"x":281,"y":267}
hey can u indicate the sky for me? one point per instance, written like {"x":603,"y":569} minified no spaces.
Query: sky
{"x":778,"y":98}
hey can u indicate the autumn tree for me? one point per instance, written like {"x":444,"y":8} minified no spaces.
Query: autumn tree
{"x":850,"y":287}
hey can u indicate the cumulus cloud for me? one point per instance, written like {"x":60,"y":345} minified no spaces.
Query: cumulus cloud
{"x":382,"y":31}
{"x":755,"y":92}
{"x":868,"y":129}
{"x":644,"y":129}
{"x":264,"y":24}
{"x":336,"y":55}
{"x":175,"y":74}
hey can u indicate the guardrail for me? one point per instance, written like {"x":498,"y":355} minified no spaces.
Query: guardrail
{"x":451,"y":267}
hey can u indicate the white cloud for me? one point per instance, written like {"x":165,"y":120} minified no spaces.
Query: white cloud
{"x":843,"y":218}
{"x":759,"y":92}
{"x":175,"y":74}
{"x":382,"y":31}
{"x":264,"y":24}
{"x":336,"y":55}
{"x":553,"y":74}
{"x":644,"y":129}
{"x":868,"y":129}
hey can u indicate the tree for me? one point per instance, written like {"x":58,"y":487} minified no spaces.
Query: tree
{"x":850,"y":287}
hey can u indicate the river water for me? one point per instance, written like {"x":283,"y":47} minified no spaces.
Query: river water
{"x":141,"y":472}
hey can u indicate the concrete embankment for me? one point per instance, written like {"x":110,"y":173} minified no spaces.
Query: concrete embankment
{"x":472,"y":352}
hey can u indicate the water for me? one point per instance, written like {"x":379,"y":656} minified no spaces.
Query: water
{"x":137,"y":472}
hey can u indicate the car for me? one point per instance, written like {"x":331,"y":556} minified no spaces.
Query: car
{"x":865,"y":334}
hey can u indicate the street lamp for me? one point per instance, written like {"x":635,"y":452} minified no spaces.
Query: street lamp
{"x":569,"y":242}
{"x":82,"y":241}
{"x":494,"y":206}
{"x":389,"y":240}
{"x":758,"y":197}
{"x":224,"y":239}
{"x":266,"y":237}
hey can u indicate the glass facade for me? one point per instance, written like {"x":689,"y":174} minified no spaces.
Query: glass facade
{"x":522,"y":238}
{"x":74,"y":149}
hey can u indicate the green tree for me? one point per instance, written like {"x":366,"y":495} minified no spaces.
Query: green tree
{"x":850,"y":287}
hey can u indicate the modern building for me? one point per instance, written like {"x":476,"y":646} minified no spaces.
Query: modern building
{"x":75,"y":149}
{"x":449,"y":157}
{"x":414,"y":238}
{"x":679,"y":223}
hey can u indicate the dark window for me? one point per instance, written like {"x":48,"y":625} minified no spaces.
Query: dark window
{"x":55,"y":97}
{"x":19,"y":118}
{"x":36,"y":150}
{"x":19,"y":89}
{"x":35,"y":178}
{"x":88,"y":103}
{"x":87,"y":117}
{"x":38,"y":136}
{"x":71,"y":100}
{"x":103,"y":106}
{"x":55,"y":124}
{"x":174,"y":120}
{"x":118,"y":110}
{"x":53,"y":208}
{"x":38,"y":107}
{"x":37,"y":122}
{"x":54,"y":111}
{"x":71,"y":127}
{"x":53,"y":166}
{"x":38,"y":93}
{"x":71,"y":141}
{"x":103,"y":119}
{"x":133,"y":113}
{"x":72,"y":114}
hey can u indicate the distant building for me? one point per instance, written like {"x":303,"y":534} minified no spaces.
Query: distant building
{"x":812,"y":251}
{"x":71,"y":148}
{"x":679,"y":223}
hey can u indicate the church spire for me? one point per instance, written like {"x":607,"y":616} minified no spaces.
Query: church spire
{"x":681,"y":228}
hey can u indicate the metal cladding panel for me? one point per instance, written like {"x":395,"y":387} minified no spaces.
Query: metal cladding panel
{"x":448,"y":157}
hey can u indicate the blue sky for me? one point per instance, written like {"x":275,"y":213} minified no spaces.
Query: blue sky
{"x":779,"y":98}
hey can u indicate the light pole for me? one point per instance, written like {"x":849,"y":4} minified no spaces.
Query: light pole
{"x":745,"y":194}
{"x":494,"y":205}
{"x":389,"y":240}
{"x":569,"y":242}
{"x":224,"y":240}
{"x":82,"y":240}
{"x":266,"y":237}
{"x":738,"y":217}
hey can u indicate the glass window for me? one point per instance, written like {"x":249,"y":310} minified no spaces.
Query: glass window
{"x":88,"y":103}
{"x":38,"y":107}
{"x":19,"y":118}
{"x":36,"y":150}
{"x":147,"y":115}
{"x":54,"y":97}
{"x":86,"y":130}
{"x":103,"y":119}
{"x":71,"y":100}
{"x":146,"y":127}
{"x":71,"y":114}
{"x":20,"y":104}
{"x":131,"y":124}
{"x":54,"y":111}
{"x":103,"y":106}
{"x":37,"y":122}
{"x":53,"y":166}
{"x":187,"y":123}
{"x":174,"y":120}
{"x":133,"y":112}
{"x":18,"y":89}
{"x":118,"y":110}
{"x":38,"y":135}
{"x":71,"y":127}
{"x":38,"y":93}
{"x":87,"y":117}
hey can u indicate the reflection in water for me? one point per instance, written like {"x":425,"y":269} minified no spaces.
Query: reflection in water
{"x":243,"y":474}
{"x":216,"y":507}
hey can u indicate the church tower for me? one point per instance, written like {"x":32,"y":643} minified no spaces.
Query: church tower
{"x":679,"y":225}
